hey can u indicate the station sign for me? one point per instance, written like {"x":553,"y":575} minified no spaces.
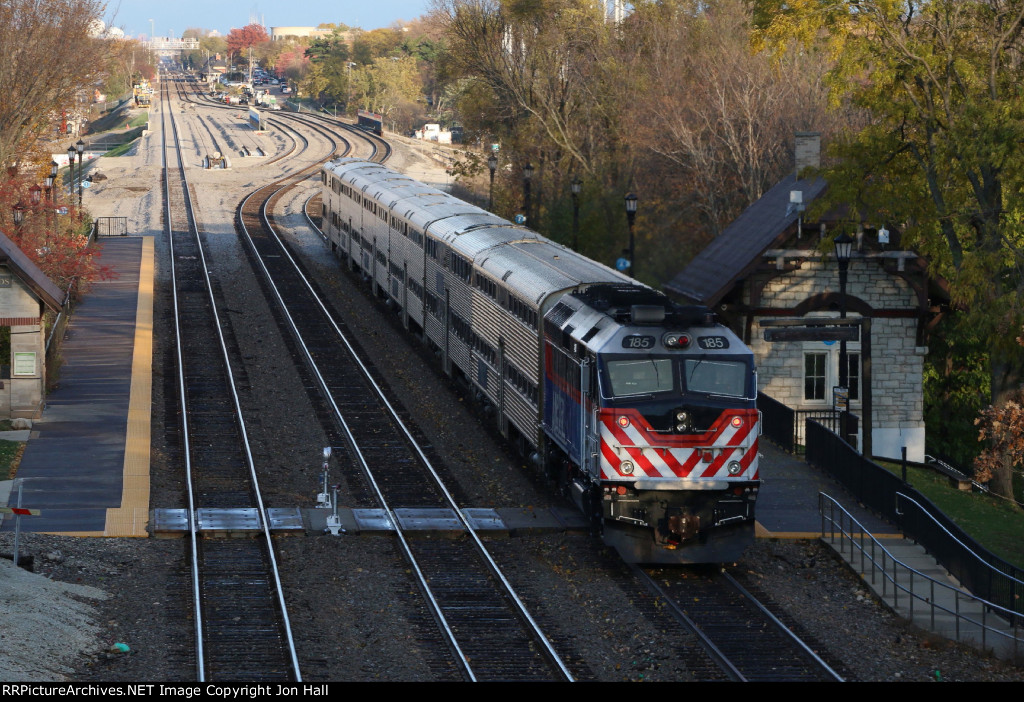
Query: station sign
{"x":812,"y":334}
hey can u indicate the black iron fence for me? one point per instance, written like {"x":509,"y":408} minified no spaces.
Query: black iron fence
{"x":777,"y":422}
{"x":980,"y":571}
{"x":110,"y":226}
{"x":785,"y":425}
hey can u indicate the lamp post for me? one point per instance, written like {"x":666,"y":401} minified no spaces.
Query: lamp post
{"x":71,"y":174}
{"x":19,"y":213}
{"x":35,"y":195}
{"x":80,"y":147}
{"x":492,"y":165}
{"x":844,"y":247}
{"x":527,"y":176}
{"x":51,"y":180}
{"x":631,"y":218}
{"x":576,"y":186}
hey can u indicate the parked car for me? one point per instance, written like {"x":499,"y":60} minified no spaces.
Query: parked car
{"x":286,"y":90}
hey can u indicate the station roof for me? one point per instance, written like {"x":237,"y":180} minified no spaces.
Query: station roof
{"x":737,"y":251}
{"x":30,"y":274}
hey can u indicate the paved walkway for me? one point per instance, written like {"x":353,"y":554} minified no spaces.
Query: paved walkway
{"x":86,"y":465}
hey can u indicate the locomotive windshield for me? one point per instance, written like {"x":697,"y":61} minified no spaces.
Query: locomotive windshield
{"x":650,"y":376}
{"x":716,"y":377}
{"x":640,"y":376}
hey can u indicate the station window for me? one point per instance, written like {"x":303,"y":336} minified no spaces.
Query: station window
{"x":814,"y":375}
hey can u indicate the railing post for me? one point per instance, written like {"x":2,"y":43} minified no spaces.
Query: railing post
{"x":932,"y":600}
{"x":895,"y":584}
{"x":885,"y":576}
{"x":956,"y":606}
{"x":862,"y":550}
{"x":874,"y":564}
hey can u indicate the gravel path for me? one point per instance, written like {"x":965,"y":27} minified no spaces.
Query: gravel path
{"x":355,"y":610}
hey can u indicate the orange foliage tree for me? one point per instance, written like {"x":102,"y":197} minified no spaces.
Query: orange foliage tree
{"x":250,"y":35}
{"x":57,"y":243}
{"x":1003,"y":428}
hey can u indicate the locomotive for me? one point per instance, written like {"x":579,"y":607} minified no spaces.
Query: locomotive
{"x":643,"y":411}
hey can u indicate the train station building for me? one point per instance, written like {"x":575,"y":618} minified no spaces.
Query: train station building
{"x":771,"y":266}
{"x":25,"y":294}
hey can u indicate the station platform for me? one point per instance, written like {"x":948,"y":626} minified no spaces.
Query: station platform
{"x":86,"y":462}
{"x":787,"y":504}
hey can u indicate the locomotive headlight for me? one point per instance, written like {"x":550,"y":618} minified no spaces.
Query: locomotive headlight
{"x":623,"y":422}
{"x":735,"y":467}
{"x":681,"y":416}
{"x":626,"y":467}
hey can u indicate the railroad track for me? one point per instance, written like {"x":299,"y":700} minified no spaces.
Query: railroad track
{"x":242,"y":628}
{"x":737,"y":632}
{"x":487,"y":629}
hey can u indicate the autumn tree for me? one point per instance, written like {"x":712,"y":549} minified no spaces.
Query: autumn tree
{"x":1001,"y":430}
{"x":241,"y":39}
{"x":551,"y":80}
{"x":127,"y":61}
{"x":943,"y":156}
{"x":386,"y":86}
{"x":722,"y":115}
{"x":48,"y":56}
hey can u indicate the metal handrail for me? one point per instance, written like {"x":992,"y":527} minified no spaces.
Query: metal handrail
{"x":960,"y":543}
{"x":880,"y":558}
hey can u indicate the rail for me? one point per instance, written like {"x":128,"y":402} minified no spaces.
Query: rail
{"x":973,"y":616}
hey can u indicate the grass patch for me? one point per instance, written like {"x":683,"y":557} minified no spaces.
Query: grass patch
{"x":141,"y":120}
{"x":10,"y":456}
{"x":995,"y":523}
{"x":123,"y":148}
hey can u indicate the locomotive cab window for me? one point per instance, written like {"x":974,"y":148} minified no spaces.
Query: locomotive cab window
{"x":716,"y":377}
{"x":640,"y":376}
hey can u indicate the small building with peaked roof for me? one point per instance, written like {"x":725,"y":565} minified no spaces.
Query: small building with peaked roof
{"x":25,"y":294}
{"x":771,"y":265}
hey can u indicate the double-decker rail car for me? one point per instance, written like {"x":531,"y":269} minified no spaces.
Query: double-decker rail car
{"x":370,"y":121}
{"x":642,"y":410}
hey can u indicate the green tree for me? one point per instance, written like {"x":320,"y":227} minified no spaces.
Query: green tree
{"x":942,"y":156}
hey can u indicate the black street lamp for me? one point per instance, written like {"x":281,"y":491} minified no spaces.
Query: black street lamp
{"x":35,"y":195}
{"x":80,"y":146}
{"x":576,"y":185}
{"x":53,"y":179}
{"x":71,"y":173}
{"x":844,"y":248}
{"x":527,"y":176}
{"x":631,"y":218}
{"x":19,"y":213}
{"x":492,"y":165}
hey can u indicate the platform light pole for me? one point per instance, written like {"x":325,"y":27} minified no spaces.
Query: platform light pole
{"x":71,"y":174}
{"x":576,"y":186}
{"x":80,"y":147}
{"x":844,"y":248}
{"x":18,"y":212}
{"x":492,"y":166}
{"x":631,"y":201}
{"x":527,"y":177}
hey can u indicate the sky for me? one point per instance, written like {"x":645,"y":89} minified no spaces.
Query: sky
{"x":174,"y":17}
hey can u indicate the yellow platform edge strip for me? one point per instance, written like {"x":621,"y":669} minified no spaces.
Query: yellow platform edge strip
{"x":131,"y":517}
{"x":761,"y":533}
